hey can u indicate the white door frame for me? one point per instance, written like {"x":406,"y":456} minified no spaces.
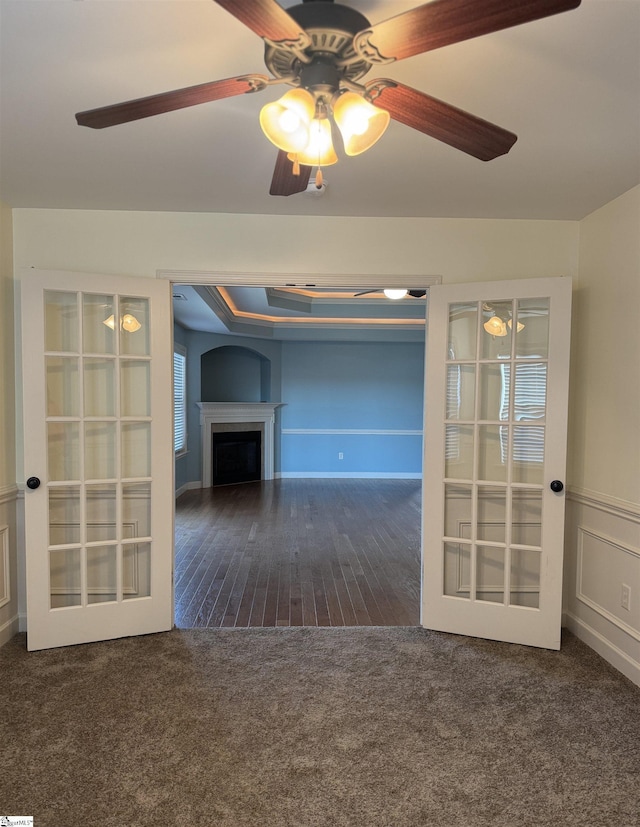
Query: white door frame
{"x":364,"y":282}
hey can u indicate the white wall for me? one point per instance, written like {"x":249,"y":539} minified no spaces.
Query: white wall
{"x":606,"y":352}
{"x":8,"y":491}
{"x":135,"y":243}
{"x":603,"y":517}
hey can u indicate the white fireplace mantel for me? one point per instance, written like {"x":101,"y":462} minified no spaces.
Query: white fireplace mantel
{"x":229,"y":412}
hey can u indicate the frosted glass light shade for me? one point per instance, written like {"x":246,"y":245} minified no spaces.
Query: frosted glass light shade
{"x":286,"y":122}
{"x":319,"y":151}
{"x":495,"y":326}
{"x":360,"y":123}
{"x":130,"y":323}
{"x":394,"y":293}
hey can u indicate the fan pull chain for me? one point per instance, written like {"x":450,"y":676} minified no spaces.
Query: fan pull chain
{"x":296,"y":165}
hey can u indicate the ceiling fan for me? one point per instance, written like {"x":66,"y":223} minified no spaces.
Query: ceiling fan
{"x":322,"y":49}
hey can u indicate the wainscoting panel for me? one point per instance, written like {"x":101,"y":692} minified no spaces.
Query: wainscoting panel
{"x":604,"y":568}
{"x":602,"y":556}
{"x":9,"y":624}
{"x":5,"y":588}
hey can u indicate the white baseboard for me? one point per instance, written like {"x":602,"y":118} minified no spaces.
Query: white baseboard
{"x":346,"y":475}
{"x":620,"y":660}
{"x":188,"y":486}
{"x":319,"y":475}
{"x":9,"y":629}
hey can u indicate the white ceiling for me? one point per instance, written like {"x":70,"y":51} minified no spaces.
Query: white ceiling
{"x":568,"y":86}
{"x":300,"y":314}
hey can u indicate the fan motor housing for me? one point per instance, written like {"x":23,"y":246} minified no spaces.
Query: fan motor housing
{"x":331,"y":28}
{"x":325,"y":14}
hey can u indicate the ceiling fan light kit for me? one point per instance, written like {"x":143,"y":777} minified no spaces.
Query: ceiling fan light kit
{"x":322,"y":49}
{"x":395,"y":293}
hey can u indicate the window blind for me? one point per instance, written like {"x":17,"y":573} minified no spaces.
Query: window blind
{"x":529,"y":405}
{"x":179,"y":402}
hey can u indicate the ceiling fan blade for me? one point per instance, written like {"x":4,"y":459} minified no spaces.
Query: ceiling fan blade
{"x":442,"y":121}
{"x":366,"y":292}
{"x":140,"y":108}
{"x":284,"y":182}
{"x":268,"y":20}
{"x":442,"y":22}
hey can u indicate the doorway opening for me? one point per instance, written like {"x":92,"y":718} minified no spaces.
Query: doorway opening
{"x":328,"y":548}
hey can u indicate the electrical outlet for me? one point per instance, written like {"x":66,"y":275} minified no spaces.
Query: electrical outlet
{"x":625,"y":597}
{"x":340,"y":455}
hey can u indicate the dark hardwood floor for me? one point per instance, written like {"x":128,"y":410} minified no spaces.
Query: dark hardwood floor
{"x":299,"y":552}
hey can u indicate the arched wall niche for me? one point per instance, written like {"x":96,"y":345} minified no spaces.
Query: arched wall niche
{"x":232,"y":373}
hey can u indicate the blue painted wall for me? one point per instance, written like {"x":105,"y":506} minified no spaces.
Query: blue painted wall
{"x":363,"y":400}
{"x":234,"y":374}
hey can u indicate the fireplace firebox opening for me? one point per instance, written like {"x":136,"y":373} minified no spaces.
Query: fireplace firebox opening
{"x":236,"y":457}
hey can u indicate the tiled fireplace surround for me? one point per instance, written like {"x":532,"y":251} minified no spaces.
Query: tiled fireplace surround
{"x":237,"y":416}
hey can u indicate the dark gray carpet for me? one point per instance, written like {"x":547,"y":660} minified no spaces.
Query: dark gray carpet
{"x":371,"y":727}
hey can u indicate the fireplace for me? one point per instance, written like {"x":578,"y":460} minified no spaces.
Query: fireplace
{"x":243,"y":417}
{"x":236,"y":457}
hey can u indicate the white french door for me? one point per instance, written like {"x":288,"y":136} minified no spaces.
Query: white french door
{"x":494,"y":459}
{"x":98,"y":456}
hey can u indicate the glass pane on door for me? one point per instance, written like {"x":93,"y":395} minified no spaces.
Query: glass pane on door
{"x":457,"y":568}
{"x":135,"y":388}
{"x":64,"y":515}
{"x":101,"y":510}
{"x":63,"y":398}
{"x":137,"y":570}
{"x":98,"y":323}
{"x":63,"y":451}
{"x":136,"y":509}
{"x":489,"y":585}
{"x":98,"y":370}
{"x":65,"y":578}
{"x":135,"y":326}
{"x":491,"y":544}
{"x":532,"y":323}
{"x":61,"y":329}
{"x":100,"y":450}
{"x":99,"y":387}
{"x":102,"y":574}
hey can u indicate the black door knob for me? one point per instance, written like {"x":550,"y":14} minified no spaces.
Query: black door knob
{"x":33,"y":483}
{"x":556,"y":486}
